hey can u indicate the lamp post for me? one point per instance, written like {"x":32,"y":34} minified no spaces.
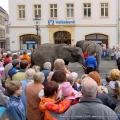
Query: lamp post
{"x":37,"y":22}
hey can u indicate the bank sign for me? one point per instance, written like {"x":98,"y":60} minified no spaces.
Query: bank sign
{"x":61,"y":22}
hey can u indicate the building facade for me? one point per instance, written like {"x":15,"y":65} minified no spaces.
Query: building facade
{"x":62,"y":21}
{"x":3,"y":29}
{"x":118,"y":23}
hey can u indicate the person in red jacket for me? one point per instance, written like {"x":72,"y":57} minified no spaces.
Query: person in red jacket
{"x":85,"y":54}
{"x":7,"y":59}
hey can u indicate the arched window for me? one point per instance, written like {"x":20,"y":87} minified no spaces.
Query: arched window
{"x":62,"y":37}
{"x":98,"y":38}
{"x":29,"y":41}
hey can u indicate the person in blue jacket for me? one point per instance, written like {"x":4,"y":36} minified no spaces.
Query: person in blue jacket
{"x":91,"y":63}
{"x":15,"y":107}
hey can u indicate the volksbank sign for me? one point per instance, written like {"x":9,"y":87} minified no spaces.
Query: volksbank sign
{"x":61,"y":22}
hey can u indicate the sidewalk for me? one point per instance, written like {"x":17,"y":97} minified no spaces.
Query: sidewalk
{"x":106,"y":66}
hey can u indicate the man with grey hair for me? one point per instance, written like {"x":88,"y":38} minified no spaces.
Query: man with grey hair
{"x":47,"y":65}
{"x":89,"y":87}
{"x":59,"y":64}
{"x":89,"y":107}
{"x":46,"y":70}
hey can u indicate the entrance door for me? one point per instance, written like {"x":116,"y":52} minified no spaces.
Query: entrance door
{"x":31,"y":44}
{"x":29,"y":41}
{"x":62,"y":37}
{"x":98,"y":38}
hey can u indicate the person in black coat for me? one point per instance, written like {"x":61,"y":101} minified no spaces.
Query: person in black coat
{"x":118,"y":63}
{"x":106,"y":100}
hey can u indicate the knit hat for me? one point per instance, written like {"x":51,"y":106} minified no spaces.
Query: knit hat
{"x":68,"y":92}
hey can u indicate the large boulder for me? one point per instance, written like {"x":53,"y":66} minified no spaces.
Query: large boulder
{"x":50,"y":52}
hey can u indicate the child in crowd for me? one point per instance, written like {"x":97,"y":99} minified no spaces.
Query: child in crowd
{"x":68,"y":92}
{"x":49,"y":104}
{"x":15,"y":106}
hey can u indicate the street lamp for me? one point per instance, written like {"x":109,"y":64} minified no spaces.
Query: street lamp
{"x":37,"y":22}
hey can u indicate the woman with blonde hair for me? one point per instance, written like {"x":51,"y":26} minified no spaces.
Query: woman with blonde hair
{"x":114,"y":84}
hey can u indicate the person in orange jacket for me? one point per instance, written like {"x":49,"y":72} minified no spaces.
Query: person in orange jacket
{"x":49,"y":104}
{"x":53,"y":107}
{"x":26,"y":57}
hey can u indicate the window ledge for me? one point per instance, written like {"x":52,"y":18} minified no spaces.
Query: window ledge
{"x":20,"y":18}
{"x":53,"y":18}
{"x":104,"y":17}
{"x":69,"y":18}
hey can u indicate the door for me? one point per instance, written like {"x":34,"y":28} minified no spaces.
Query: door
{"x":61,"y":37}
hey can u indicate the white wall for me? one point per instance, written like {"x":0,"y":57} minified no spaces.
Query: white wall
{"x":81,"y":32}
{"x":84,"y":26}
{"x":78,"y":4}
{"x":16,"y":33}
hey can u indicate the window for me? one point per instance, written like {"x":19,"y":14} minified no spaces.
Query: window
{"x":70,"y":10}
{"x":87,"y":9}
{"x":104,"y":9}
{"x":53,"y":10}
{"x":21,"y":11}
{"x":37,"y":11}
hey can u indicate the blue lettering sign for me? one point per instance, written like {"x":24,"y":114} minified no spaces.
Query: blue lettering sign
{"x":61,"y":22}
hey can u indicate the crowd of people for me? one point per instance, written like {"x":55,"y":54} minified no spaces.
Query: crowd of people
{"x":112,"y":54}
{"x":34,"y":93}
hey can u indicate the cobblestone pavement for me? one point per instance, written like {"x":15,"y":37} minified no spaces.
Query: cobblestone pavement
{"x":105,"y":67}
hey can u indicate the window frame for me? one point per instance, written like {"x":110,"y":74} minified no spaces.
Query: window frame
{"x":53,"y":9}
{"x":70,"y":10}
{"x":23,"y":10}
{"x":87,"y":11}
{"x":37,"y":9}
{"x":104,"y":16}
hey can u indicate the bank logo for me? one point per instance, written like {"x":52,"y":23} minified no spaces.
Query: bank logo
{"x":61,"y":22}
{"x":51,"y":22}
